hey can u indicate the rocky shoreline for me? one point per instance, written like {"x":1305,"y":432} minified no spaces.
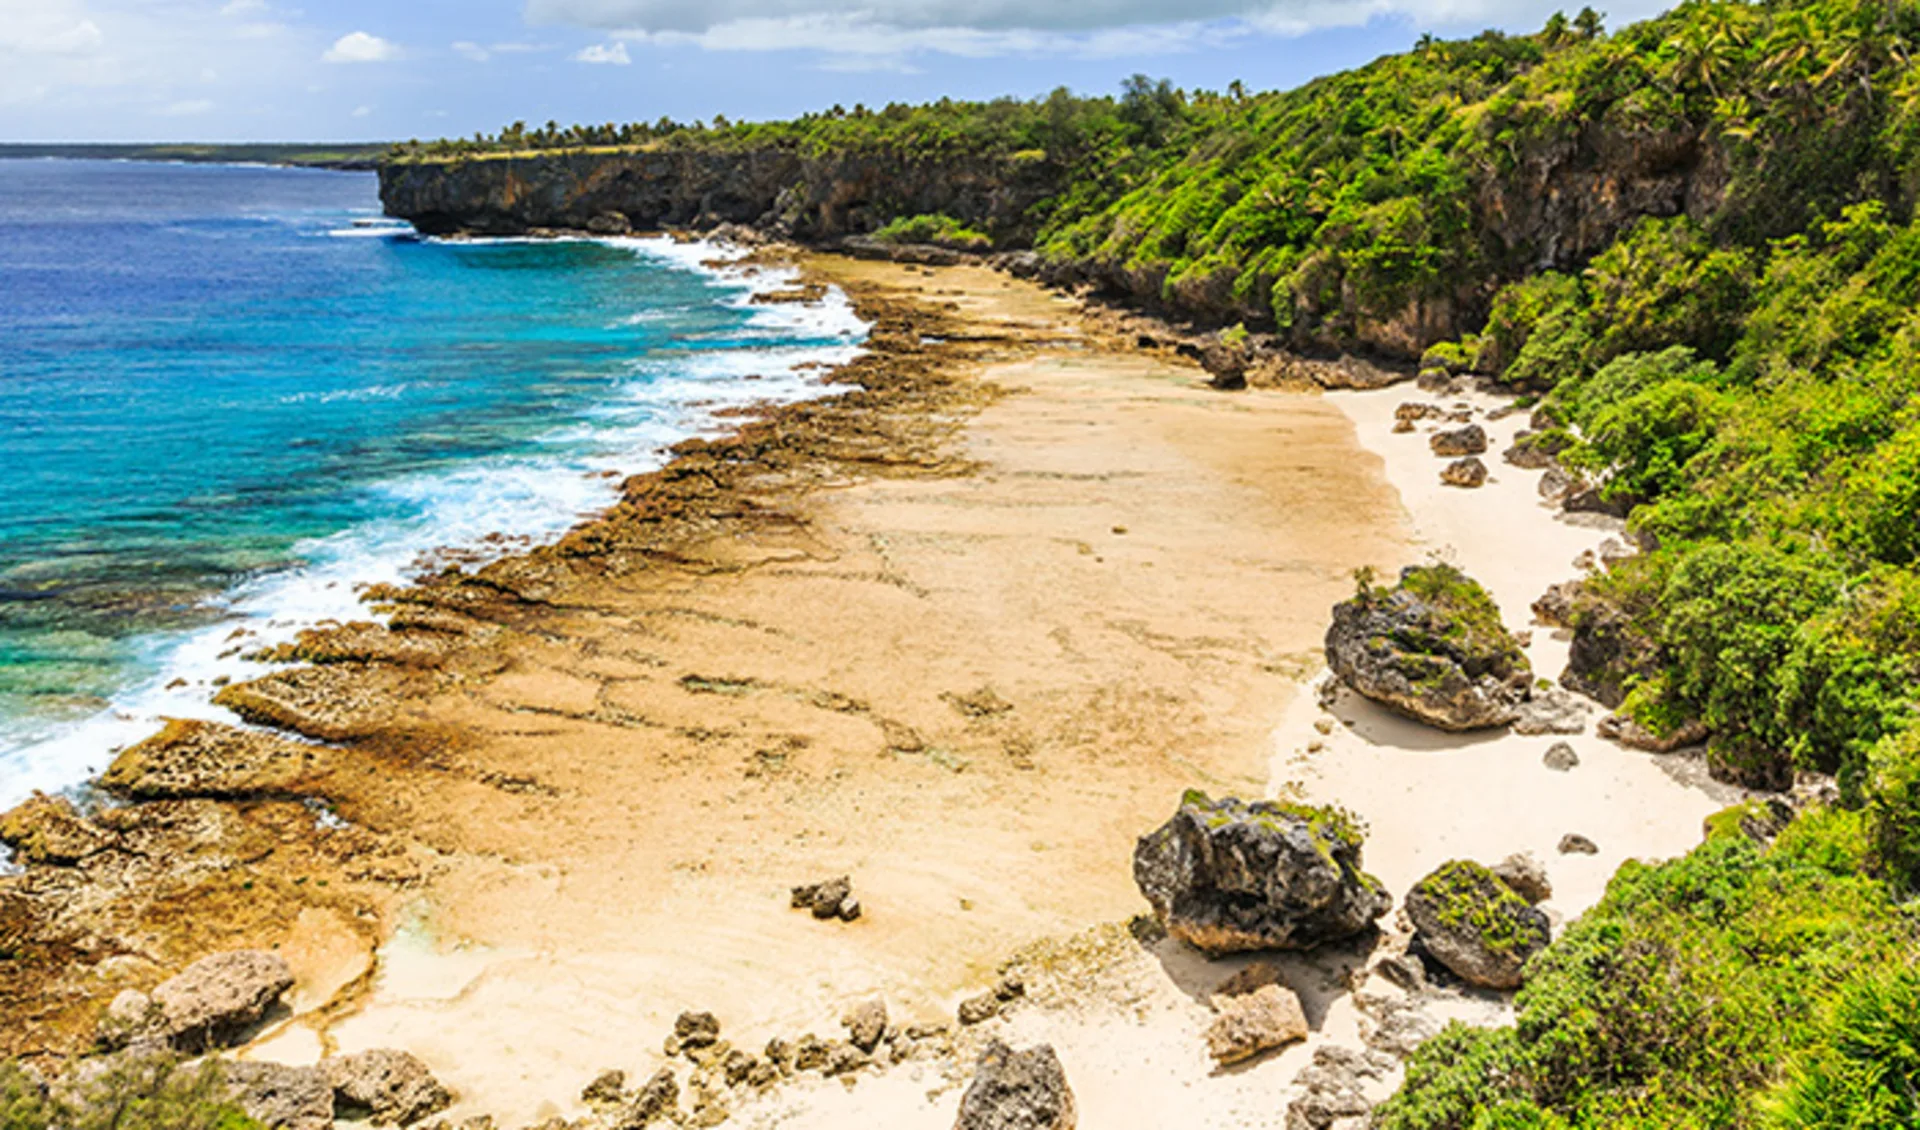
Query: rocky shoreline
{"x":210,"y":836}
{"x":299,"y":839}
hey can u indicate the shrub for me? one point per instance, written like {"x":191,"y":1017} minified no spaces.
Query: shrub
{"x":1672,"y":1001}
{"x":1865,"y":1068}
{"x":943,"y":231}
{"x":132,"y":1094}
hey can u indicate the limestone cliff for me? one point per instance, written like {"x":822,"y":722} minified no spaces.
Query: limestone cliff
{"x":801,"y":197}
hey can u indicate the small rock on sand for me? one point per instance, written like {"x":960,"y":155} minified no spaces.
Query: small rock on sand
{"x":1267,"y":1018}
{"x":1456,"y":442}
{"x":832,"y":898}
{"x":1017,"y":1090}
{"x":693,"y":1030}
{"x":1560,"y":757}
{"x":866,"y":1022}
{"x":1551,"y":711}
{"x":986,"y":1006}
{"x":1526,"y":875}
{"x":1468,"y":473}
{"x":1574,"y":844}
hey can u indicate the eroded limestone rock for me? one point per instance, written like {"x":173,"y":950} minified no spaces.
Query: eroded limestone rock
{"x":1228,"y":875}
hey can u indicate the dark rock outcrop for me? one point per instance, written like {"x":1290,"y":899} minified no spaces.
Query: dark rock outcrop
{"x":1476,"y":925}
{"x":1017,"y":1090}
{"x":1226,"y":876}
{"x":1432,"y":648}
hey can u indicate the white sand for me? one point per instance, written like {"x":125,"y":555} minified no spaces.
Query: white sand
{"x":1430,"y":796}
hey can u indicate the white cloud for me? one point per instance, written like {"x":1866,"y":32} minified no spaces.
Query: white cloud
{"x":613,"y":53}
{"x":871,"y":29}
{"x":480,"y":53}
{"x":188,"y":108}
{"x":359,"y":47}
{"x":362,"y":111}
{"x":98,"y":61}
{"x":244,"y":8}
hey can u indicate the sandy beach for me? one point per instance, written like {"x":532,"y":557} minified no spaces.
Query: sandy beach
{"x":965,"y":661}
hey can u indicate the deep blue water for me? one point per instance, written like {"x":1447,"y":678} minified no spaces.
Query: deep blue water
{"x":222,"y":403}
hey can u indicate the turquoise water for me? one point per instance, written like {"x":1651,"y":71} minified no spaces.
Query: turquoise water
{"x":227,"y":395}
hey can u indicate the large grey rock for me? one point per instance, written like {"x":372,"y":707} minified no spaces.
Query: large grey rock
{"x":214,"y":1001}
{"x":1017,"y":1090}
{"x":1229,"y":875}
{"x":1476,"y":925}
{"x":280,"y":1097}
{"x":394,"y":1087}
{"x":1432,"y":648}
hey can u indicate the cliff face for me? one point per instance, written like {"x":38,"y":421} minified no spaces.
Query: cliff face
{"x":805,"y":198}
{"x":1556,"y":205}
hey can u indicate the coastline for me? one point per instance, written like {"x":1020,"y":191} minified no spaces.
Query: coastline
{"x":970,"y":406}
{"x":472,"y":512}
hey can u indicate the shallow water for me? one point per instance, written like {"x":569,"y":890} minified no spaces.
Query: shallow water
{"x":227,"y":395}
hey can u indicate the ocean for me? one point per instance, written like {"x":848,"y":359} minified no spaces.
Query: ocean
{"x":229,"y":396}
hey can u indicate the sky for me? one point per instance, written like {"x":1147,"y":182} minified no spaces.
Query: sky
{"x":309,"y":70}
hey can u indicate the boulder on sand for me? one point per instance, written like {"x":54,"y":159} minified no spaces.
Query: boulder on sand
{"x":1476,"y":925}
{"x":280,"y":1097}
{"x":1468,"y":472}
{"x":1432,"y":648}
{"x":210,"y":1004}
{"x":1229,"y":876}
{"x":1017,"y":1090}
{"x":393,"y":1086}
{"x":1456,"y":442}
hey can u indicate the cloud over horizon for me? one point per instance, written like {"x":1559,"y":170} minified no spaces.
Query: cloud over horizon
{"x":989,"y":28}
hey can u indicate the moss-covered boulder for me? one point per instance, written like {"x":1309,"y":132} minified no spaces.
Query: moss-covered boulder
{"x":1476,"y":925}
{"x":1432,"y":648}
{"x":1228,"y":875}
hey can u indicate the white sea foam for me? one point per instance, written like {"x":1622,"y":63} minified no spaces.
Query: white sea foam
{"x":484,"y":508}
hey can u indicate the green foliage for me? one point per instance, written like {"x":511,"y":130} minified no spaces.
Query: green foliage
{"x":1894,"y":804}
{"x":937,"y":229}
{"x":1672,"y":1001}
{"x":1865,"y":1069}
{"x":132,"y":1094}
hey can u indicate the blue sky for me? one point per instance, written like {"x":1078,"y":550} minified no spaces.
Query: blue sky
{"x":258,"y":70}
